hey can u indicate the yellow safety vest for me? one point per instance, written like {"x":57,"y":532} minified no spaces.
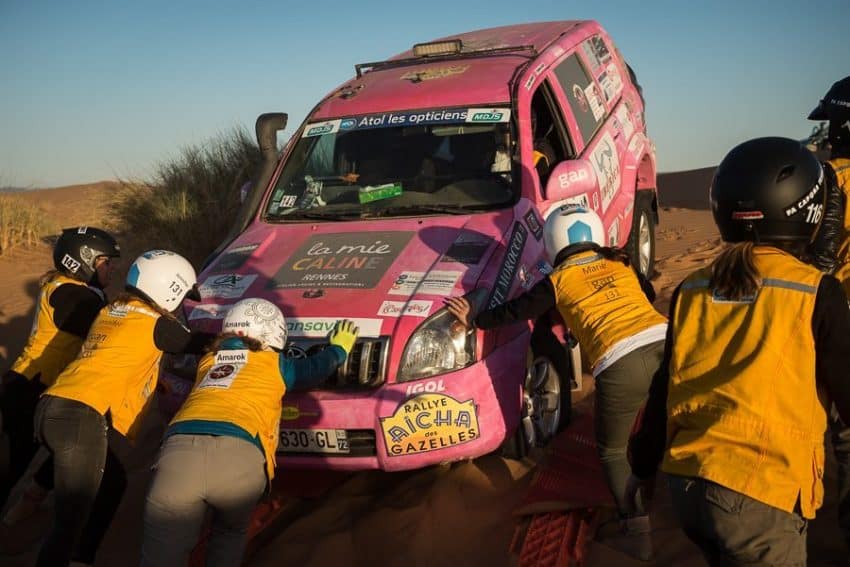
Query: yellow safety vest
{"x":241,"y":387}
{"x":601,"y":301}
{"x":742,"y":403}
{"x":48,"y":350}
{"x":118,"y":365}
{"x":841,"y":166}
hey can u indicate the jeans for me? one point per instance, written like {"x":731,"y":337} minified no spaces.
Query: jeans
{"x":194,"y":473}
{"x":733,"y":529}
{"x":18,"y":398}
{"x":621,"y":390}
{"x":89,"y":480}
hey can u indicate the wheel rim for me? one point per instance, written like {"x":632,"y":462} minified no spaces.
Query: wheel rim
{"x":644,"y":244}
{"x":542,"y":401}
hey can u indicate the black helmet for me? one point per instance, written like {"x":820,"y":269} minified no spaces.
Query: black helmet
{"x":77,"y":248}
{"x":835,"y":107}
{"x":768,"y":189}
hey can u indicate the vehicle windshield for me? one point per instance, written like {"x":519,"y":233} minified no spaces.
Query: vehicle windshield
{"x":446,"y":161}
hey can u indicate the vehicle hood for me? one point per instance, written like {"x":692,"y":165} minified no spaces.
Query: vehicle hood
{"x":376,"y":272}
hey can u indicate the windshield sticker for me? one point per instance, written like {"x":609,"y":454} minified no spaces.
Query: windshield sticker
{"x":209,"y":311}
{"x":429,"y":422}
{"x":435,"y":282}
{"x":234,"y":258}
{"x":341,"y":260}
{"x":321,"y":128}
{"x":416,"y":308}
{"x":467,"y":249}
{"x":317,"y":327}
{"x":378,"y":192}
{"x":226,"y":285}
{"x":442,"y":116}
{"x":607,"y":167}
{"x":595,"y":101}
{"x":434,"y":73}
{"x":513,"y":253}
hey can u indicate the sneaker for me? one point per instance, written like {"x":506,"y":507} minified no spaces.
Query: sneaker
{"x":27,"y":505}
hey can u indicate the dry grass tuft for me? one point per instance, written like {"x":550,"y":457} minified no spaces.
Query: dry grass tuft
{"x":191,"y":202}
{"x":21,"y":223}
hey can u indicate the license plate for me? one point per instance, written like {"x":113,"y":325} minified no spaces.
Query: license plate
{"x":313,"y":441}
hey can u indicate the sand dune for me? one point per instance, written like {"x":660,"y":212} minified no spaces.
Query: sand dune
{"x":461,"y":514}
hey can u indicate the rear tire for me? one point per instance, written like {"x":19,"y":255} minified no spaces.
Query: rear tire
{"x":641,"y":243}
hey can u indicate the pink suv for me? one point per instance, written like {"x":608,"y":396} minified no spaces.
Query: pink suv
{"x":428,"y":175}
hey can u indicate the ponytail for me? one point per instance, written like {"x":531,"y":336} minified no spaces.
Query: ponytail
{"x":733,"y":274}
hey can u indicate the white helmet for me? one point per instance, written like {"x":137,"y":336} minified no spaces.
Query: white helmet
{"x":258,"y":319}
{"x":571,"y":224}
{"x":163,"y":276}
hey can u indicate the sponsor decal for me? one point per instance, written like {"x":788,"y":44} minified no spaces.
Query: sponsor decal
{"x":416,"y":308}
{"x":813,"y":210}
{"x":287,"y":201}
{"x":510,"y":263}
{"x":581,"y":99}
{"x":429,"y":422}
{"x":352,"y":260}
{"x":435,"y":282}
{"x":570,"y":177}
{"x":611,"y":82}
{"x":607,"y":167}
{"x":238,"y":356}
{"x":596,"y":201}
{"x":429,"y":386}
{"x":636,"y":146}
{"x":234,"y":258}
{"x":314,"y":327}
{"x":534,"y":224}
{"x":625,"y":118}
{"x":209,"y":311}
{"x":70,"y":264}
{"x":82,"y":230}
{"x":434,"y":73}
{"x":467,"y":249}
{"x":227,"y":286}
{"x":489,"y":116}
{"x":530,"y":82}
{"x":419,"y":117}
{"x":596,"y":52}
{"x":321,"y":128}
{"x":580,"y":200}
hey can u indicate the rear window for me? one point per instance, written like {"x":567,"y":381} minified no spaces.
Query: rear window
{"x":582,"y":94}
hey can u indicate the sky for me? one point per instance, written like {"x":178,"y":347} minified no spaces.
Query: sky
{"x":93,"y":90}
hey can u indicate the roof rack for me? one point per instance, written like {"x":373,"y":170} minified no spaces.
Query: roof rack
{"x":361,"y":68}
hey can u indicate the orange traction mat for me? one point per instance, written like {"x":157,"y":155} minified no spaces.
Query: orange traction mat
{"x":555,"y":539}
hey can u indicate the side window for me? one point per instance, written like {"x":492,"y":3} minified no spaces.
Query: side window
{"x":549,"y":135}
{"x":583,"y":95}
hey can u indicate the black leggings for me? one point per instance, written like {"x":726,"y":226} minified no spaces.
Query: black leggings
{"x":89,"y":479}
{"x":18,"y":398}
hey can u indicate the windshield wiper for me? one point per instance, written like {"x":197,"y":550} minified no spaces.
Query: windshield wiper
{"x":320,"y":215}
{"x":415,"y":209}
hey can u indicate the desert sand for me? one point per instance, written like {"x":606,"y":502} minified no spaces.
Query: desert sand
{"x":459,"y":514}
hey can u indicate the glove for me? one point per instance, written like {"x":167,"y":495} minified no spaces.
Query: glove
{"x":344,"y":335}
{"x":823,"y":250}
{"x":639,"y":494}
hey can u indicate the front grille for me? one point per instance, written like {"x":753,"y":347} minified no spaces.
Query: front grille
{"x":365,"y":366}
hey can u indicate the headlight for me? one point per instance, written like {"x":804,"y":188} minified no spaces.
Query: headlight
{"x":440,"y":344}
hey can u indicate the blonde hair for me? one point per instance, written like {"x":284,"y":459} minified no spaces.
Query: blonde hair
{"x":250,"y":342}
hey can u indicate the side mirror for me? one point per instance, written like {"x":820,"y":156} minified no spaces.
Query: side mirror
{"x":571,"y":178}
{"x":266,"y":128}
